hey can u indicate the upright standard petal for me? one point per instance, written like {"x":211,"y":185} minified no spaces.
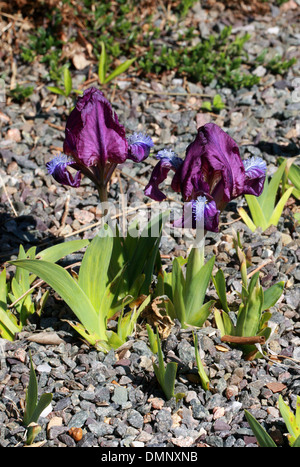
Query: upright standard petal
{"x":139,"y":146}
{"x":212,"y":165}
{"x":57,"y":167}
{"x":255,"y":175}
{"x":93,"y":132}
{"x":168,"y":160}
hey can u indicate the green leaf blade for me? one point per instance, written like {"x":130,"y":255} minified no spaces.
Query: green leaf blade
{"x":102,"y":64}
{"x":272,"y":295}
{"x":93,"y":276}
{"x":119,"y":70}
{"x":31,"y":396}
{"x":195,"y":290}
{"x":263,"y":438}
{"x":69,"y":290}
{"x":256,"y":212}
{"x":67,"y":81}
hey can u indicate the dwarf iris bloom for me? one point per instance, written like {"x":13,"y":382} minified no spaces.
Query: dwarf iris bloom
{"x":96,"y":142}
{"x":212,"y":169}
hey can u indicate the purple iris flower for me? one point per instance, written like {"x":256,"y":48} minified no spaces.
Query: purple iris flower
{"x":96,"y":142}
{"x":212,"y":168}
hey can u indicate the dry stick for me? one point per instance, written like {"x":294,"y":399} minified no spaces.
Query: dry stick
{"x":123,"y":205}
{"x":244,"y":339}
{"x":167,"y":93}
{"x":259,"y":267}
{"x":65,"y":214}
{"x":96,"y":224}
{"x":8,"y":198}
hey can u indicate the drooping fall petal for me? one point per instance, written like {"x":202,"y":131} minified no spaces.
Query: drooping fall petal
{"x":58,"y":168}
{"x":168,"y":160}
{"x":139,"y":146}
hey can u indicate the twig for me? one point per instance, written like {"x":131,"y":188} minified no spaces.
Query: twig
{"x":123,"y":201}
{"x":231,"y":222}
{"x":259,"y":267}
{"x":244,"y":339}
{"x":66,"y":212}
{"x":8,"y":198}
{"x":57,"y":127}
{"x":96,"y":224}
{"x":167,"y":93}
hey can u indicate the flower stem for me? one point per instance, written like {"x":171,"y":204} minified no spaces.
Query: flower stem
{"x":102,"y":191}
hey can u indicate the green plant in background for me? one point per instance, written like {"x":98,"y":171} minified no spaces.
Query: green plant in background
{"x":292,"y":422}
{"x":263,"y":209}
{"x":215,"y":106}
{"x":21,"y":93}
{"x":277,"y":65}
{"x":110,"y":278}
{"x":103,"y":63}
{"x":186,"y":294}
{"x":184,"y":7}
{"x":166,"y":375}
{"x":252,"y":317}
{"x":47,"y":48}
{"x":68,"y":85}
{"x":34,"y":407}
{"x":201,"y":371}
{"x":17,"y":293}
{"x":219,"y":57}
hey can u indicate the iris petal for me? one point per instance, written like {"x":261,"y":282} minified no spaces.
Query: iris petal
{"x":139,"y":146}
{"x":57,"y":167}
{"x":168,"y":160}
{"x":255,"y":174}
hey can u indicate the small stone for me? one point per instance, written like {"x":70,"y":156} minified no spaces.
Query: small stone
{"x":273,"y":411}
{"x":135,"y":419}
{"x":55,"y":421}
{"x":260,"y":71}
{"x":218,"y":412}
{"x":220,"y":425}
{"x":75,"y":433}
{"x":156,"y":403}
{"x":83,"y":216}
{"x":276,"y":387}
{"x":231,"y":391}
{"x":44,"y":368}
{"x":120,"y":395}
{"x":14,"y":135}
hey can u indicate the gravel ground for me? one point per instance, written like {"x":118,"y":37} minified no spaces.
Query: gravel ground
{"x":115,"y":398}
